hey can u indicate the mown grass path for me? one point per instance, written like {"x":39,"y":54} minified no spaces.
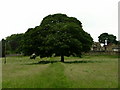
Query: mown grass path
{"x":54,"y":77}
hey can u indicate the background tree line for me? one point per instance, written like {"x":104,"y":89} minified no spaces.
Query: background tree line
{"x":12,"y":44}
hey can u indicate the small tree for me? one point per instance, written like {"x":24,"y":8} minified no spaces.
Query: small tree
{"x":109,"y":37}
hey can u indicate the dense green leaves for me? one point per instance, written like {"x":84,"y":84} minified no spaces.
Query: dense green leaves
{"x":32,"y":41}
{"x":109,"y":37}
{"x":14,"y":43}
{"x":57,"y":34}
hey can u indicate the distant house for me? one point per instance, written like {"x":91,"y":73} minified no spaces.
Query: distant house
{"x":116,"y":49}
{"x":112,"y":47}
{"x":96,"y":47}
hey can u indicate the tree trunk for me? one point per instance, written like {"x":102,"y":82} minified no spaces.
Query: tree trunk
{"x":62,"y":58}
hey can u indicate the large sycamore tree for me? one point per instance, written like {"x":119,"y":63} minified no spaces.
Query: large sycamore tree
{"x":58,"y":34}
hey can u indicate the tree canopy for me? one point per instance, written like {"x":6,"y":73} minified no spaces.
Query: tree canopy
{"x":57,"y":34}
{"x":14,"y":43}
{"x":109,"y":37}
{"x":32,"y":41}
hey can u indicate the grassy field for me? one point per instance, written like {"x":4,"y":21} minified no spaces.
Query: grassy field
{"x":87,"y":72}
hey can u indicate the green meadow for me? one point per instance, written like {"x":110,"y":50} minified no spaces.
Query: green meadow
{"x":100,"y":71}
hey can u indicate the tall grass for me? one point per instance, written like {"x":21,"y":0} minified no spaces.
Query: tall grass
{"x":86,"y":72}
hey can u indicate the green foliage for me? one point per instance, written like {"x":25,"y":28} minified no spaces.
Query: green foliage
{"x":57,"y":34}
{"x":32,"y":41}
{"x":109,"y":37}
{"x":14,"y":43}
{"x":65,"y":35}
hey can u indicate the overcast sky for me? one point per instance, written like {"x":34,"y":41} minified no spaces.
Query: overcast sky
{"x":97,"y":16}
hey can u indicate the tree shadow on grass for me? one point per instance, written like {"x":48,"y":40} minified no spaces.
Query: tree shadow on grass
{"x":66,"y":62}
{"x":70,"y":62}
{"x":42,"y":62}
